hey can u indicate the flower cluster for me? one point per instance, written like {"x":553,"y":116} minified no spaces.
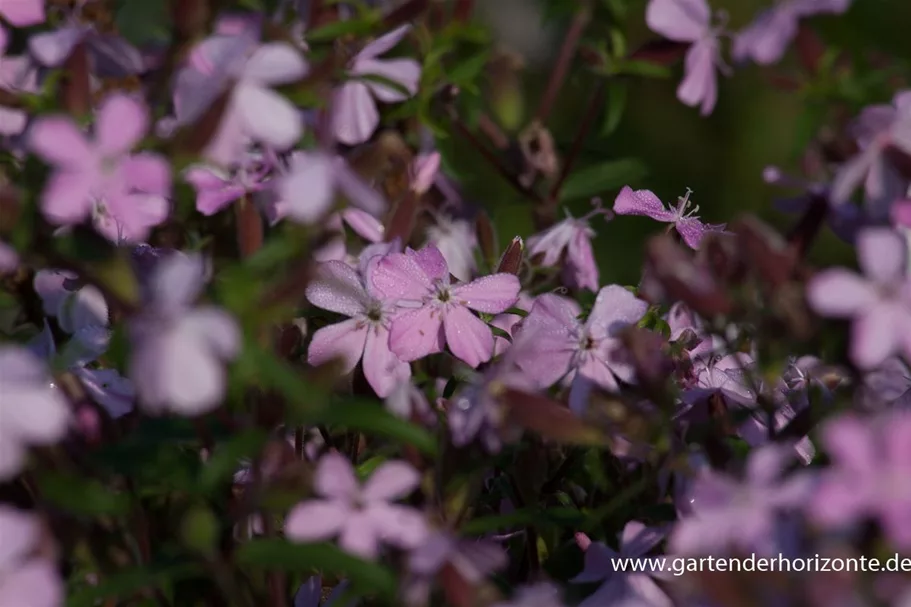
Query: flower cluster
{"x":260,"y":344}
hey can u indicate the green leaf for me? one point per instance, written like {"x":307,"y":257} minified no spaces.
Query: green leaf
{"x":646,"y":69}
{"x":143,"y":22}
{"x":524,"y":517}
{"x":366,"y":577}
{"x":467,"y":71}
{"x":81,"y":496}
{"x":370,"y":417}
{"x":616,"y":104}
{"x":338,"y":29}
{"x":597,"y":179}
{"x":125,"y":583}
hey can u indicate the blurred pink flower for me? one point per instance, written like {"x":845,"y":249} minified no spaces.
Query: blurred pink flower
{"x":362,"y":516}
{"x":879,"y":303}
{"x":178,"y":351}
{"x":354,"y":112}
{"x":26,"y":579}
{"x":32,"y":410}
{"x":571,"y":236}
{"x":690,"y":21}
{"x":124,"y":194}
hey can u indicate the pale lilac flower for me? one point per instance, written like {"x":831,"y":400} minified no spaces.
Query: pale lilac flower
{"x":424,"y":171}
{"x":365,"y":335}
{"x":566,"y":346}
{"x":310,"y":594}
{"x":572,"y":236}
{"x":767,"y":37}
{"x":254,"y":110}
{"x":507,"y":322}
{"x":361,"y":223}
{"x":110,"y":56}
{"x":472,"y":559}
{"x":354,"y":112}
{"x":636,"y":541}
{"x":868,"y":476}
{"x":887,"y":386}
{"x":26,"y":579}
{"x":362,"y":516}
{"x":876,"y":130}
{"x":32,"y":410}
{"x":409,"y":402}
{"x":843,"y":219}
{"x":307,"y":191}
{"x":103,"y":386}
{"x":177,"y":354}
{"x":9,"y":259}
{"x":217,"y":188}
{"x":475,"y":410}
{"x":690,"y":21}
{"x":879,"y":303}
{"x":442,"y":312}
{"x":457,"y":240}
{"x":684,"y":218}
{"x":729,"y":513}
{"x":542,"y":594}
{"x":125,"y":194}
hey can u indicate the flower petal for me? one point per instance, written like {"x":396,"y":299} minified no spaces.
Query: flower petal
{"x":67,"y":197}
{"x":641,"y":202}
{"x":267,"y":116}
{"x":57,"y":140}
{"x":275,"y":63}
{"x":615,"y":308}
{"x":354,"y":113}
{"x":121,"y":123}
{"x":335,"y":478}
{"x":882,"y":254}
{"x":341,"y":341}
{"x":316,"y":520}
{"x":404,"y":72}
{"x":417,"y":333}
{"x":491,"y":294}
{"x":391,"y":481}
{"x":839,"y":293}
{"x":383,"y":369}
{"x":337,"y":287}
{"x":468,"y":337}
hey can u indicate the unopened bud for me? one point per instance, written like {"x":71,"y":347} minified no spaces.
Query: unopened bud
{"x":511,"y":261}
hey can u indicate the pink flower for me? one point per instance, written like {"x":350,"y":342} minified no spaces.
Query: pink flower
{"x":687,"y":224}
{"x":340,"y":288}
{"x":507,"y":322}
{"x":9,"y":259}
{"x":23,"y":13}
{"x":879,"y":303}
{"x":125,"y":194}
{"x":362,"y":516}
{"x":424,"y":171}
{"x":420,"y":279}
{"x":354,"y":112}
{"x":26,"y":579}
{"x":690,"y":21}
{"x":565,"y":345}
{"x":572,"y":236}
{"x":32,"y":410}
{"x":216,"y":188}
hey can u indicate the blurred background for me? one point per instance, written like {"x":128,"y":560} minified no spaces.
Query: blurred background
{"x":720,"y":157}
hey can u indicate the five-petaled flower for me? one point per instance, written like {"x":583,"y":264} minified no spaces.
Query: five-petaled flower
{"x":441,"y":311}
{"x":364,"y":517}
